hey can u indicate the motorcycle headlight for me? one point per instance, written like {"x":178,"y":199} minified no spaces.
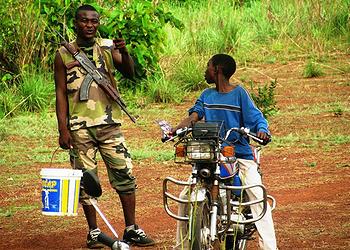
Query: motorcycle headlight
{"x":200,"y":150}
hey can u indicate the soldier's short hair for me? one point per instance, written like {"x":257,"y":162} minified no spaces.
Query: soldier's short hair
{"x":84,"y":7}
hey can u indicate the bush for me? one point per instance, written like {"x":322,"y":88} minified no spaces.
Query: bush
{"x":264,"y":98}
{"x":139,"y":22}
{"x":36,"y":90}
{"x":312,"y":70}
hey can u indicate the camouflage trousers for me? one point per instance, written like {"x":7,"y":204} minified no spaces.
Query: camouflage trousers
{"x":110,"y":143}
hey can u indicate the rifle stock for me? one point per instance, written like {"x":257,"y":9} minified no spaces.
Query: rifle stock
{"x":70,"y":48}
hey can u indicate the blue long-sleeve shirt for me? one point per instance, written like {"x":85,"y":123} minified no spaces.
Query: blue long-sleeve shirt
{"x":235,"y":109}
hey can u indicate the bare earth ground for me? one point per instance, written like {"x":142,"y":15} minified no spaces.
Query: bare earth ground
{"x":309,"y":178}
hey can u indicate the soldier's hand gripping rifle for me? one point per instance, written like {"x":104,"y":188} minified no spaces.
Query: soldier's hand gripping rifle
{"x":94,"y":74}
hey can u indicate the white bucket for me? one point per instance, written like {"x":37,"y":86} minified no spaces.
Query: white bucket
{"x":60,"y":191}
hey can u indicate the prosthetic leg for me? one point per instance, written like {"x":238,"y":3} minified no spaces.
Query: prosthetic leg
{"x":93,"y":188}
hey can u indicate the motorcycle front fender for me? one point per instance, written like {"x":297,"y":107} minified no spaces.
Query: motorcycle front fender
{"x":198,"y":195}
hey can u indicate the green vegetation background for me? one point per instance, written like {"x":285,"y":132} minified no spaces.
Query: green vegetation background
{"x":171,"y":42}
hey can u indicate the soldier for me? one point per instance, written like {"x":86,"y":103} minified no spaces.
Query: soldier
{"x":92,"y":125}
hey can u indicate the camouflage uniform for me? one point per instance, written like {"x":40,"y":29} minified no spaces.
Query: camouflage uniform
{"x":95,"y":124}
{"x":99,"y":109}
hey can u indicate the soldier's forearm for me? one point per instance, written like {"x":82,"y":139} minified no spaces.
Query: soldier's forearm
{"x":127,"y":67}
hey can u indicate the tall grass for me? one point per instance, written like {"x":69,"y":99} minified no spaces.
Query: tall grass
{"x":21,"y":36}
{"x":9,"y":102}
{"x":34,"y":93}
{"x":256,"y":29}
{"x":188,"y":73}
{"x":38,"y":89}
{"x":209,"y":28}
{"x":157,"y":88}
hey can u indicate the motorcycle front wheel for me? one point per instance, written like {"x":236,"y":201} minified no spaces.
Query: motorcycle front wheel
{"x":201,"y":228}
{"x":232,"y":243}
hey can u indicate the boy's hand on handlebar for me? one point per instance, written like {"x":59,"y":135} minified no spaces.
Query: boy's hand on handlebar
{"x":168,"y":136}
{"x":173,"y":131}
{"x":264,"y":136}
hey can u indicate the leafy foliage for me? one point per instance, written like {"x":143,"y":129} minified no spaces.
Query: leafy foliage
{"x":265,"y":98}
{"x":140,"y":23}
{"x":21,"y":37}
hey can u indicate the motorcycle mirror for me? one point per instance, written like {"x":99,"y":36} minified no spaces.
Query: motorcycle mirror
{"x":91,"y":184}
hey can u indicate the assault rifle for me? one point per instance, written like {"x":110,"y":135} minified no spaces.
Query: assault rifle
{"x":94,"y":74}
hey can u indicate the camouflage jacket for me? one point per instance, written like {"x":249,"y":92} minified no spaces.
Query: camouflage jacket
{"x":99,"y":109}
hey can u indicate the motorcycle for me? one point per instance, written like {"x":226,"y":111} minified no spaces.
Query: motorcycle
{"x":214,"y":209}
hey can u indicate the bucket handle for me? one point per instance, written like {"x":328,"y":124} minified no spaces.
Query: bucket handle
{"x":53,"y":155}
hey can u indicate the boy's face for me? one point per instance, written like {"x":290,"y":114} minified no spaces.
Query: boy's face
{"x":87,"y":24}
{"x":210,"y":73}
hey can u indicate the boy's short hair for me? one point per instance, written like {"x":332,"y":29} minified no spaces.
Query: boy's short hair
{"x":84,"y":7}
{"x":226,"y":62}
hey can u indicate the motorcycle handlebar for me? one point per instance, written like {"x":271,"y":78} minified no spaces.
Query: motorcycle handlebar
{"x":242,"y":131}
{"x":246,"y":132}
{"x":178,"y":133}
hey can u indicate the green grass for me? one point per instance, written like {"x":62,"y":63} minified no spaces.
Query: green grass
{"x":5,"y":212}
{"x":30,"y":125}
{"x":310,"y":164}
{"x":162,"y":90}
{"x":38,"y":90}
{"x":337,"y":108}
{"x":310,"y":139}
{"x":151,"y":149}
{"x":312,"y":70}
{"x":28,"y":139}
{"x":10,"y":211}
{"x":188,"y":73}
{"x":33,"y":93}
{"x":10,"y":102}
